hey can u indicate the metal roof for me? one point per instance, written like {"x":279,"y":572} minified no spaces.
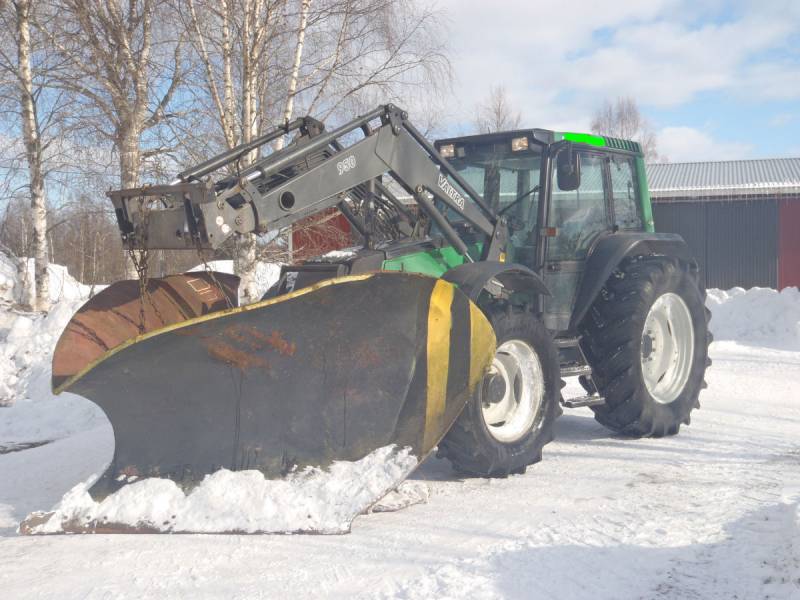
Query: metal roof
{"x":725,"y":178}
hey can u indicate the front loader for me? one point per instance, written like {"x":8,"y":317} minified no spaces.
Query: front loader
{"x":488,"y":268}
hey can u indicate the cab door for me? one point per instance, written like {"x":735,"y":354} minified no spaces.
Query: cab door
{"x":577,"y":217}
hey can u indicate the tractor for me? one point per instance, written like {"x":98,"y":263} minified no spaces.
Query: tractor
{"x":486,"y":269}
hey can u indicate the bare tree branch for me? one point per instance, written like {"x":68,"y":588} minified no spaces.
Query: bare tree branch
{"x":622,"y":119}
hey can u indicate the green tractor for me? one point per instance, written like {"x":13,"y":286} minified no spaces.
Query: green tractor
{"x":546,"y":236}
{"x":624,"y":309}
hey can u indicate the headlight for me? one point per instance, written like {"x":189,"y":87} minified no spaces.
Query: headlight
{"x":519,"y":144}
{"x":447,"y":150}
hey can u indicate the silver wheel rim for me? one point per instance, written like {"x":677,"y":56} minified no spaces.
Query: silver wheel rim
{"x":667,"y":348}
{"x":510,"y":418}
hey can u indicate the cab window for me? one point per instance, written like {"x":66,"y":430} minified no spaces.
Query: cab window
{"x":509,"y":183}
{"x":623,"y":191}
{"x":579,"y":215}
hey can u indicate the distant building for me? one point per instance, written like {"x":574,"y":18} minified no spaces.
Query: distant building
{"x":741,"y":218}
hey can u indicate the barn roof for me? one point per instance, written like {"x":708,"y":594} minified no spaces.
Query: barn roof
{"x":725,"y":178}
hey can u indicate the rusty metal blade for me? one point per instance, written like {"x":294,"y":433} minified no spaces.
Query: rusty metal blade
{"x":326,"y":373}
{"x":114,"y":316}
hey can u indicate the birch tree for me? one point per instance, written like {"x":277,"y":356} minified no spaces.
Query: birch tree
{"x":122,"y":62}
{"x":496,"y":112}
{"x":288,"y":111}
{"x":18,"y":18}
{"x":623,"y":119}
{"x":263,"y":62}
{"x":231,"y":38}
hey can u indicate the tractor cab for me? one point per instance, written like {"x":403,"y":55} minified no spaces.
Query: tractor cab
{"x":561,"y":193}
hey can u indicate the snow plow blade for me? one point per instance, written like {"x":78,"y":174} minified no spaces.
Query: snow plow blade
{"x":327,"y":373}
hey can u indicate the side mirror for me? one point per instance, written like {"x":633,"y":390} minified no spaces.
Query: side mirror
{"x":568,"y":170}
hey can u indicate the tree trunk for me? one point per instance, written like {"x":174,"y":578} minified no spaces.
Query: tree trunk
{"x":33,"y":154}
{"x":305,"y":7}
{"x":129,"y":159}
{"x":245,"y":264}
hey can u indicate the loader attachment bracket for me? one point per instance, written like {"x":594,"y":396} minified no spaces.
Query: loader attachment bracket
{"x":358,"y":168}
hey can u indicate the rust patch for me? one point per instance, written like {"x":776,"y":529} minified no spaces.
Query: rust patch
{"x":244,"y":336}
{"x":277,"y":342}
{"x":254,"y":339}
{"x":366,"y":355}
{"x":233,"y":356}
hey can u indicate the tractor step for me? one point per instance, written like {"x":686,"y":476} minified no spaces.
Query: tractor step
{"x":583,"y":401}
{"x":567,"y":342}
{"x":575,"y":370}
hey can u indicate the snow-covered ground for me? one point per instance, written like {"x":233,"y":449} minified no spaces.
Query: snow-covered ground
{"x":711,"y":513}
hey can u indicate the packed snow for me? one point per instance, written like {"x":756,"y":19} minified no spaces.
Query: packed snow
{"x":710,"y":513}
{"x":313,"y":500}
{"x":27,"y":339}
{"x":757,"y":317}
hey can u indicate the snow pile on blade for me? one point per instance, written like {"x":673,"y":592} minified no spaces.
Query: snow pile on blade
{"x":758,"y":316}
{"x":311,"y":501}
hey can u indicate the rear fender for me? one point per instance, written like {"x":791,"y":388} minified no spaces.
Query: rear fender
{"x":610,"y":251}
{"x":472,"y":278}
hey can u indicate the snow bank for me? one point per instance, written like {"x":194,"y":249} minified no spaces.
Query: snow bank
{"x":266,"y":273}
{"x":16,"y":275}
{"x":27,"y":339}
{"x":8,"y":280}
{"x":314,"y":500}
{"x":757,"y":317}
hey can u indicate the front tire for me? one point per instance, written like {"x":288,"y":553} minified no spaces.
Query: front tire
{"x":646,"y":339}
{"x":504,"y":427}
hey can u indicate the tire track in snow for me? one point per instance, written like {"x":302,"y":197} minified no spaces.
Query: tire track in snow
{"x":681,"y":520}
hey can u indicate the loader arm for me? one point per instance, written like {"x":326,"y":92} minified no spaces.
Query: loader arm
{"x":318,"y":171}
{"x":192,"y":383}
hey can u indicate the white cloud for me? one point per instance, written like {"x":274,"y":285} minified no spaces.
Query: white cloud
{"x":560,"y":60}
{"x":686,"y":144}
{"x":667,"y":63}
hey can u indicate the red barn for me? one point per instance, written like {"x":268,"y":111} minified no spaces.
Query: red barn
{"x":741,"y":218}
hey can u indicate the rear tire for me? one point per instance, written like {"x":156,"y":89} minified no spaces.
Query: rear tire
{"x":505,"y":436}
{"x":646,"y":338}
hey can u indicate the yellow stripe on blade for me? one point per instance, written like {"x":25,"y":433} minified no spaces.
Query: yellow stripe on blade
{"x":439,"y":325}
{"x":482,"y":344}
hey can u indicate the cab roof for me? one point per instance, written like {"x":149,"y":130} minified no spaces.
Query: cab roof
{"x":544,"y":137}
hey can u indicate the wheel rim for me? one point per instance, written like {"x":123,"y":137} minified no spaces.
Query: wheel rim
{"x":511,"y":412}
{"x":667,"y":348}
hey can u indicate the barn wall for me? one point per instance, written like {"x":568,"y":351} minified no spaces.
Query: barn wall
{"x":319,"y":234}
{"x":789,"y":265}
{"x":735,"y":242}
{"x":688,"y":220}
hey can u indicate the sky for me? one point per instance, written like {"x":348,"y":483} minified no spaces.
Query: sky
{"x":716,"y":80}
